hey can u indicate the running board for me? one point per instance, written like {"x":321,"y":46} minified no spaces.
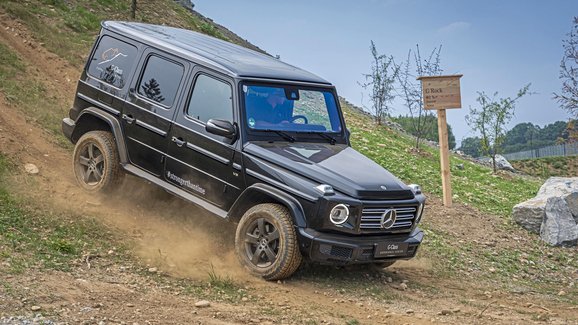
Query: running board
{"x":175,"y":190}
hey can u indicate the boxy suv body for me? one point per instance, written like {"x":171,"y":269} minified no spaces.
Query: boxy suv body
{"x":244,"y":136}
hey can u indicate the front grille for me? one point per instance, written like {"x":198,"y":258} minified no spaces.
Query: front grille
{"x":338,"y":251}
{"x":371,"y":219}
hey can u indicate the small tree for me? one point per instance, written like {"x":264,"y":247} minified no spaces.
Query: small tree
{"x":380,"y":82}
{"x":568,"y":99}
{"x":415,"y":66}
{"x":491,"y":118}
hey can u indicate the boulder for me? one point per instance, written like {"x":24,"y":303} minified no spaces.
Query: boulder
{"x":559,"y":227}
{"x":501,"y":163}
{"x":529,"y":214}
{"x":572,"y":201}
{"x":553,"y":213}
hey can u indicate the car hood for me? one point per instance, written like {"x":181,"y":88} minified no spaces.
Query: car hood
{"x":339,"y":165}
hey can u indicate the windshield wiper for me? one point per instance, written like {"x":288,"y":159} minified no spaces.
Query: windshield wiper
{"x":284,"y":135}
{"x":324,"y":136}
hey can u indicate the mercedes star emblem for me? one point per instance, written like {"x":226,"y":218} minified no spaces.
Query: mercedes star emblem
{"x":388,"y":218}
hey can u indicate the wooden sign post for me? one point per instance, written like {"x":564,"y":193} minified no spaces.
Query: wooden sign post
{"x":441,"y":93}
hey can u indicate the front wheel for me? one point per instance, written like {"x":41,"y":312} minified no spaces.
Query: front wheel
{"x":266,"y":243}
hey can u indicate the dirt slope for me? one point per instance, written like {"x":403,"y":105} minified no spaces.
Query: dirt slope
{"x":183,"y":242}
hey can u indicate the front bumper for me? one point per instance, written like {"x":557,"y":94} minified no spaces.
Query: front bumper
{"x":342,"y":249}
{"x":68,"y":127}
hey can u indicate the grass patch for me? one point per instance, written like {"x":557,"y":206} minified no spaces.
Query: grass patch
{"x":447,"y":258}
{"x":548,"y":166}
{"x":535,"y":265}
{"x":224,"y":284}
{"x":29,"y":95}
{"x":37,"y":240}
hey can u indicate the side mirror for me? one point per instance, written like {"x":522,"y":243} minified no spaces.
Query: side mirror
{"x":221,"y":127}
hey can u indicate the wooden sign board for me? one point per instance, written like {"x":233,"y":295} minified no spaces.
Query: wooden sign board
{"x":441,"y":92}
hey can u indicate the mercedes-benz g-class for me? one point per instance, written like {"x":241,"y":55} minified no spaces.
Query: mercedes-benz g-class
{"x":245,"y":136}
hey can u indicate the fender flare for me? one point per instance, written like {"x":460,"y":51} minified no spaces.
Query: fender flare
{"x":114,"y":127}
{"x":283,"y":198}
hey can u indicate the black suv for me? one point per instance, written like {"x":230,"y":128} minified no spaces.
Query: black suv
{"x":244,"y":136}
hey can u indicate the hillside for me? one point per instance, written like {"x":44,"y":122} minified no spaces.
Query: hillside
{"x":142,"y":256}
{"x":548,"y":167}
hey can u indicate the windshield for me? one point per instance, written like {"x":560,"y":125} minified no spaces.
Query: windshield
{"x":288,"y":108}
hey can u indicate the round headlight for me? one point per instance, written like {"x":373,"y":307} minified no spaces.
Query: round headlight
{"x":419,"y":213}
{"x":416,"y":189}
{"x":339,"y":214}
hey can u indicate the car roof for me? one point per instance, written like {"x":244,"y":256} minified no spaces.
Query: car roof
{"x":230,"y":58}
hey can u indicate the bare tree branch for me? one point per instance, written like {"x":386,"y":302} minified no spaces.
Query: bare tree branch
{"x":411,"y":88}
{"x":380,"y":82}
{"x":568,"y":99}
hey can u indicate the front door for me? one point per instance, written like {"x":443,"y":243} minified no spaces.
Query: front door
{"x":201,"y":163}
{"x":146,"y":117}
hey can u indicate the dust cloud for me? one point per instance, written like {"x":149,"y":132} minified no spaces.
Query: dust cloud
{"x":171,"y":234}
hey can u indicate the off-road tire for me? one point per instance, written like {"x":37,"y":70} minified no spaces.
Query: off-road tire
{"x":97,"y":151}
{"x":287,"y":258}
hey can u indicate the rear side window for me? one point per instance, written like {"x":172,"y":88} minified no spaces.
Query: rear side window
{"x":211,"y":98}
{"x":160,"y":80}
{"x":112,"y":61}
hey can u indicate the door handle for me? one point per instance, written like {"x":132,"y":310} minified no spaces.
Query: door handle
{"x":178,"y":141}
{"x":128,"y":118}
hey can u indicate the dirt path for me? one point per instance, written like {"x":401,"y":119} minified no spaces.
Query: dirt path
{"x":183,"y":242}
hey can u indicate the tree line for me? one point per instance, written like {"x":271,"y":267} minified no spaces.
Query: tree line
{"x":525,"y":136}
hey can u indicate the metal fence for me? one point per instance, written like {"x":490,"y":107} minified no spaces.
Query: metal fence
{"x":566,"y":149}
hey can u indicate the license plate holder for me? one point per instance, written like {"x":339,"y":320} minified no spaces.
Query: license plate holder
{"x":390,"y":249}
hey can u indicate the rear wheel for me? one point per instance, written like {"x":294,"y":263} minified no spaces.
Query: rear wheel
{"x":96,"y":162}
{"x":266,"y":243}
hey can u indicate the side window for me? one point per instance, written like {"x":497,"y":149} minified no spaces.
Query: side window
{"x":160,"y":80}
{"x":112,"y":61}
{"x":211,"y":98}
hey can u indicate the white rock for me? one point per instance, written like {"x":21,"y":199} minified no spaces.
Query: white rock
{"x":31,"y":169}
{"x":501,"y":162}
{"x":202,"y":304}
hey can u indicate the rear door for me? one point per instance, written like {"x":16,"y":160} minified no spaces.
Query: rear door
{"x":201,"y":163}
{"x":150,"y":106}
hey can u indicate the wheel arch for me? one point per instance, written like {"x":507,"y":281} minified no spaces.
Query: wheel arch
{"x":263,"y":193}
{"x":92,"y":119}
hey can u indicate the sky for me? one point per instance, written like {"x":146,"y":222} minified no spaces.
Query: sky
{"x":498,"y":45}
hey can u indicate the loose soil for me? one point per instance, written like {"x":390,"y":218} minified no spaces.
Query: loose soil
{"x":173,"y":244}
